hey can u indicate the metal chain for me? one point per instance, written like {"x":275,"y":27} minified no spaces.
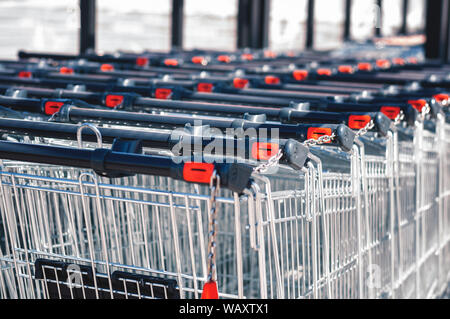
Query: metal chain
{"x":366,"y":128}
{"x":273,"y":161}
{"x":321,"y":140}
{"x":400,"y":117}
{"x":214,"y":186}
{"x":425,"y":110}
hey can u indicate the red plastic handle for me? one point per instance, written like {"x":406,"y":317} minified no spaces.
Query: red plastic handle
{"x":112,"y":100}
{"x":198,"y":172}
{"x":264,"y":151}
{"x":316,"y":132}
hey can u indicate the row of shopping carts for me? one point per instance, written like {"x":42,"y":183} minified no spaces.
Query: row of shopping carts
{"x":202,"y":174}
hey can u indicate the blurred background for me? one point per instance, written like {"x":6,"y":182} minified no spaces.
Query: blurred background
{"x":136,"y":25}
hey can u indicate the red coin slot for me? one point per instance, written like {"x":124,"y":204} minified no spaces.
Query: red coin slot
{"x":364,"y":66}
{"x":384,"y":64}
{"x":390,"y":111}
{"x":171,"y":62}
{"x":205,"y":87}
{"x":24,"y":74}
{"x":270,"y":54}
{"x":112,"y":100}
{"x":198,"y":172}
{"x":441,"y":97}
{"x":264,"y":151}
{"x":240,"y":83}
{"x":106,"y":67}
{"x":399,"y":61}
{"x":247,"y":56}
{"x":345,"y":69}
{"x":300,"y":75}
{"x":142,"y":61}
{"x":418,"y":104}
{"x":163,"y":94}
{"x":272,"y":79}
{"x":66,"y":70}
{"x":51,"y":107}
{"x":198,"y":60}
{"x":316,"y":132}
{"x":357,"y":122}
{"x":326,"y":72}
{"x":413,"y":60}
{"x":224,"y":58}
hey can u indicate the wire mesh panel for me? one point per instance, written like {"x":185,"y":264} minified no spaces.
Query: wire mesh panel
{"x":282,"y":237}
{"x":405,"y":206}
{"x":309,"y":236}
{"x":377,"y":235}
{"x":340,"y":225}
{"x":445,"y":207}
{"x":428,"y":215}
{"x":121,"y":233}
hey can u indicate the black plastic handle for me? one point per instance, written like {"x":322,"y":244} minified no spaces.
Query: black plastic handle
{"x":234,"y":176}
{"x":91,"y":57}
{"x":182,"y":140}
{"x":299,"y":132}
{"x":41,"y":106}
{"x":391,"y":110}
{"x":284,"y":115}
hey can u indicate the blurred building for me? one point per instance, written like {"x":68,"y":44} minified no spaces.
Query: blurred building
{"x":136,"y":25}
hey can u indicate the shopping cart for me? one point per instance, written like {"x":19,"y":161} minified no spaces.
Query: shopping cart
{"x":237,"y":272}
{"x":362,"y":215}
{"x":125,"y":238}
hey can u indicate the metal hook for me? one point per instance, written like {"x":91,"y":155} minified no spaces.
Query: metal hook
{"x":94,"y":129}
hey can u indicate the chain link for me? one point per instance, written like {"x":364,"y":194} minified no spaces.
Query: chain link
{"x":425,"y":110}
{"x":400,"y":117}
{"x":274,"y":160}
{"x":271,"y":162}
{"x":321,"y":140}
{"x":366,"y":128}
{"x":214,"y":186}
